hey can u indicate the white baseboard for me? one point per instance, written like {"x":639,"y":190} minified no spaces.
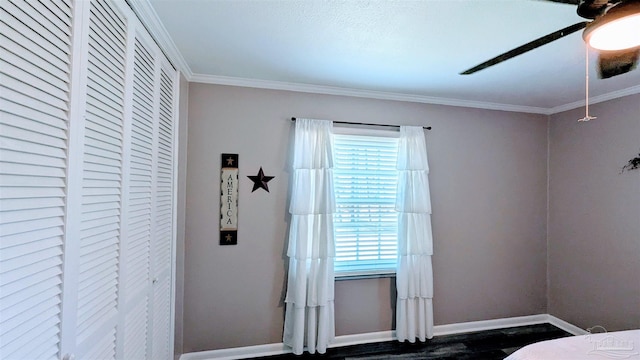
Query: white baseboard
{"x":366,"y":338}
{"x":238,"y":353}
{"x":471,"y":326}
{"x":357,"y":339}
{"x":568,"y":327}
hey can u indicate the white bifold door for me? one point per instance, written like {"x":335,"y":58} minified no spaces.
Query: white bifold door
{"x":87,"y":183}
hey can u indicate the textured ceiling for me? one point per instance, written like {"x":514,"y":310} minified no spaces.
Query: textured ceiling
{"x":406,"y":48}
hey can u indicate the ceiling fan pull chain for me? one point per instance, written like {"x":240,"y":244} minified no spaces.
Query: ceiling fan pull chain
{"x":586,"y":117}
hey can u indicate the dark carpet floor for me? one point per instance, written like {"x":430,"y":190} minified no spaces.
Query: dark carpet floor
{"x":486,"y":345}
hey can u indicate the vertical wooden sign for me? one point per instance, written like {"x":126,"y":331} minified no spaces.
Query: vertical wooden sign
{"x":229,"y":200}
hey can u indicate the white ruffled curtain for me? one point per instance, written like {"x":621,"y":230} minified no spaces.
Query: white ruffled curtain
{"x":309,"y":314}
{"x":414,"y":275}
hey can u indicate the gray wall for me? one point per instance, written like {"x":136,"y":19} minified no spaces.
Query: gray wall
{"x":594,"y":216}
{"x":489,"y":191}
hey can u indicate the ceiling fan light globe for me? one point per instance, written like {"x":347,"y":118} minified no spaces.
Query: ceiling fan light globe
{"x":619,"y":34}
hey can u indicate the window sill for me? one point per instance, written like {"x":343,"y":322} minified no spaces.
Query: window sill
{"x":364,"y":276}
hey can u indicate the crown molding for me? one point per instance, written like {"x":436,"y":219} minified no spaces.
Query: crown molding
{"x":595,"y":99}
{"x":330,"y":90}
{"x":149,"y":18}
{"x":380,"y":95}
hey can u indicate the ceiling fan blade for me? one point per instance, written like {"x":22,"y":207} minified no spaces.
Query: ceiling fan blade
{"x":612,"y":63}
{"x":527,"y":47}
{"x":570,"y":2}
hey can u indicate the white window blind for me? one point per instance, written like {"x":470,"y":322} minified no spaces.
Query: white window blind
{"x":365,"y":221}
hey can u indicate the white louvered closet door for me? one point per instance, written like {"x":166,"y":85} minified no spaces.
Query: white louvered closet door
{"x":136,"y":279}
{"x":87,"y":199}
{"x":164,"y":231}
{"x":35,"y":71}
{"x":102,"y":182}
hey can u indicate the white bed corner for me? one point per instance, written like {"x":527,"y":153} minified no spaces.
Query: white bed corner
{"x":611,"y":345}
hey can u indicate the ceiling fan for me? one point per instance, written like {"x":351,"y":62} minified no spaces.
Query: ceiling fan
{"x":614,"y":30}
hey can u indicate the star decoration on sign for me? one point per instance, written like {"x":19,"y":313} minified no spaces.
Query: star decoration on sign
{"x":230,"y":161}
{"x":260,"y":181}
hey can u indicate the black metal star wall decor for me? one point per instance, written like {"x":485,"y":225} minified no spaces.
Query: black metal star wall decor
{"x":260,"y":181}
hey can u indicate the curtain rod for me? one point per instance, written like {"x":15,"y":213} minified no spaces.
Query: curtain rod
{"x":368,"y":124}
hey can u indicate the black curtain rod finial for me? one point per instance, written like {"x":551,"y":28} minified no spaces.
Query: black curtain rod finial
{"x":367,"y":124}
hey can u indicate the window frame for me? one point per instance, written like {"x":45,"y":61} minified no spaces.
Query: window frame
{"x":362,"y":131}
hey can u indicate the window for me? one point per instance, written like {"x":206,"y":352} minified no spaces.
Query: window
{"x":365,"y":221}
